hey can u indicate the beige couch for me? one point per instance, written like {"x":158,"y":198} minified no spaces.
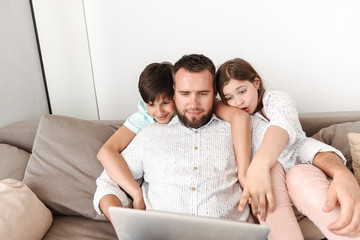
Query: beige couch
{"x":56,"y":158}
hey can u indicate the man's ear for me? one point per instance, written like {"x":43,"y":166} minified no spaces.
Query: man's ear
{"x":174,"y":91}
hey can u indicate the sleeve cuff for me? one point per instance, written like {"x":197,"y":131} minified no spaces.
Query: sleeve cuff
{"x":106,"y":186}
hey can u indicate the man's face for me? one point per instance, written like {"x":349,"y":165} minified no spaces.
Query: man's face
{"x":194,"y":97}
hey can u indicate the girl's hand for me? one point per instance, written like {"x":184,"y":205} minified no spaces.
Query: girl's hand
{"x":258,"y":189}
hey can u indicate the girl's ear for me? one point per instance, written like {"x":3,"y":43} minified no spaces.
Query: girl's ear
{"x":257,"y":82}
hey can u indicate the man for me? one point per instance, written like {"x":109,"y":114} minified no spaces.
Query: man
{"x":185,"y":167}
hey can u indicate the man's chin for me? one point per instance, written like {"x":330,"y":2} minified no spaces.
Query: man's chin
{"x":193,"y":122}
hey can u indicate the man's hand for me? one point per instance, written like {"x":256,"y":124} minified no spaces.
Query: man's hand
{"x":258,"y":189}
{"x":344,"y":190}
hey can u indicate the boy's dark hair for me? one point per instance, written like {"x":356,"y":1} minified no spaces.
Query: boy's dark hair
{"x":195,"y":63}
{"x":156,"y":81}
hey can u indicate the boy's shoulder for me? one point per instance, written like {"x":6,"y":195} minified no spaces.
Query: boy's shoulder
{"x":140,"y":119}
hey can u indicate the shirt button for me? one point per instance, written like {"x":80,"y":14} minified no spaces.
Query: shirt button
{"x":193,"y":188}
{"x":196,"y":148}
{"x":195,"y":168}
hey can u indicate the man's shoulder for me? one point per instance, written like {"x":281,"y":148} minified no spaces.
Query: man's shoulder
{"x":216,"y":124}
{"x":156,"y":127}
{"x":219,"y":122}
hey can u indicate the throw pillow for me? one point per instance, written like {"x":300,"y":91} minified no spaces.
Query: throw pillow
{"x":336,"y":136}
{"x":354,"y":141}
{"x":22,"y":214}
{"x":63,"y":167}
{"x":13,"y":162}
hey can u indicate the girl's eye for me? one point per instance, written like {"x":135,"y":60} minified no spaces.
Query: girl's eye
{"x":242,"y":91}
{"x":165,"y":102}
{"x":228,"y":98}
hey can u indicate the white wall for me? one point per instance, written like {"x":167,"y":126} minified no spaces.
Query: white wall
{"x":307,"y":48}
{"x":65,"y":51}
{"x":22,"y":92}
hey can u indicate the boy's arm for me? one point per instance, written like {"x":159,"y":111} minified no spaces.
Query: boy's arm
{"x":116,"y":167}
{"x":241,"y":135}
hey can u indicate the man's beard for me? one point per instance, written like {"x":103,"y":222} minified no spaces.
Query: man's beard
{"x":193,"y":123}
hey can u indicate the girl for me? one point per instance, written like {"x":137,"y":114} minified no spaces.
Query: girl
{"x":278,"y":144}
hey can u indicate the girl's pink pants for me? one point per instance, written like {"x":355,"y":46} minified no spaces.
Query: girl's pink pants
{"x":304,"y":186}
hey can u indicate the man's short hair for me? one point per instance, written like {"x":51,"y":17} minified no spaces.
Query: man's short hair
{"x":195,"y":63}
{"x":156,"y":81}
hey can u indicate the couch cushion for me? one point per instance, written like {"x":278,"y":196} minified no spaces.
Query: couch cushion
{"x":13,"y":162}
{"x":354,"y":141}
{"x":22,"y":214}
{"x":63,"y":167}
{"x":77,"y":227}
{"x":336,"y":136}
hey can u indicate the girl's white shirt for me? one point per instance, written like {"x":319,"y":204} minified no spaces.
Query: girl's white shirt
{"x":281,"y":110}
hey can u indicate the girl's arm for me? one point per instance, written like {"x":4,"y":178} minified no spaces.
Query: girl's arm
{"x":258,"y":181}
{"x":241,"y":135}
{"x":116,"y":167}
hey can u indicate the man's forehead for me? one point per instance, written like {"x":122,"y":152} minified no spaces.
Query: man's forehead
{"x":201,"y":81}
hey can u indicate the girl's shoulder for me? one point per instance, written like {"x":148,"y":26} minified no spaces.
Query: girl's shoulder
{"x":277,"y":96}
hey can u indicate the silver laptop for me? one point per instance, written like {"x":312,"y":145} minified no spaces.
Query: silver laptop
{"x":153,"y":225}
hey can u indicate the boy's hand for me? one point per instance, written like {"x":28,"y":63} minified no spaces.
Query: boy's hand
{"x":139,"y":203}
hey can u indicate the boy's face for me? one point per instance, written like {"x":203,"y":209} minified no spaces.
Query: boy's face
{"x":161,"y":109}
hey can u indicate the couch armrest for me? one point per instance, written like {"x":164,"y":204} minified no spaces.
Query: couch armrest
{"x":19,"y":134}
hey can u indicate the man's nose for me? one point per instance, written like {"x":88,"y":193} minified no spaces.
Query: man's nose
{"x":194,"y":100}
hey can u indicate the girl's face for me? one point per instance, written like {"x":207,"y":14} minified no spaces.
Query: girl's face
{"x":242,"y":94}
{"x":162,"y":109}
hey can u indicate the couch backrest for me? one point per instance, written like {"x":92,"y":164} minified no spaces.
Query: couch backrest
{"x":314,"y":122}
{"x":22,"y":134}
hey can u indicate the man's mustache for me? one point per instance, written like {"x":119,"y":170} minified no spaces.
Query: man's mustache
{"x":194,"y":110}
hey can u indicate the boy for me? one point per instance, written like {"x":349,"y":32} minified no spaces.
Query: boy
{"x":157,"y":105}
